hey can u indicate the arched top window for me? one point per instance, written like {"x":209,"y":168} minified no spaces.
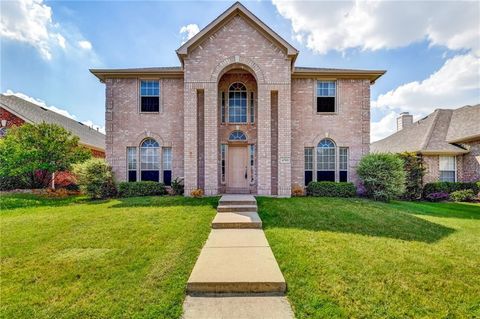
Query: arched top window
{"x":237,"y":87}
{"x":149,"y":143}
{"x":237,"y":136}
{"x":326,"y":143}
{"x":237,"y":103}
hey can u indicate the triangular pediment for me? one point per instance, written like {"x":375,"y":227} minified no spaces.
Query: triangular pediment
{"x":236,"y":9}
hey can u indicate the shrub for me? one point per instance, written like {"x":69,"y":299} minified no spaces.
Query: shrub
{"x":8,"y":183}
{"x":382,"y":175}
{"x":414,"y":172}
{"x":466,"y":195}
{"x":197,"y":193}
{"x":449,"y":187}
{"x":144,"y":188}
{"x":331,"y":189}
{"x":95,"y":178}
{"x":437,"y":197}
{"x":177,"y":186}
{"x":298,"y":190}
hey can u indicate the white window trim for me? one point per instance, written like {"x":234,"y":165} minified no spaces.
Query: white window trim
{"x":337,"y":162}
{"x":315,"y":96}
{"x":454,"y":167}
{"x":139,"y":95}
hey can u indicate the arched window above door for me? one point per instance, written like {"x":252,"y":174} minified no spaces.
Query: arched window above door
{"x":237,"y":136}
{"x":237,"y":103}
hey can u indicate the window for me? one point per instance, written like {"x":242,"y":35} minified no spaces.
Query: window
{"x":343,"y":163}
{"x":167,"y":166}
{"x":308,"y":157}
{"x":223,"y":161}
{"x":237,"y":103}
{"x":326,"y":93}
{"x":252,"y":163}
{"x":326,"y":160}
{"x":237,"y":136}
{"x":222,"y":106}
{"x":252,"y":107}
{"x":149,"y":161}
{"x":447,"y":169}
{"x":132,"y":164}
{"x":149,"y":96}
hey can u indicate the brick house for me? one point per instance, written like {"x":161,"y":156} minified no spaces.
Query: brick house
{"x":237,"y":116}
{"x":15,"y":111}
{"x":447,"y":140}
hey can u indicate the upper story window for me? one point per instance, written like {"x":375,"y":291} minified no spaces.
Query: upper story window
{"x":149,"y":96}
{"x":326,"y":96}
{"x":237,"y":136}
{"x":237,"y":103}
{"x":447,"y":169}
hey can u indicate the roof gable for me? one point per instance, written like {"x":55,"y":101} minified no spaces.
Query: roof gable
{"x":236,"y":9}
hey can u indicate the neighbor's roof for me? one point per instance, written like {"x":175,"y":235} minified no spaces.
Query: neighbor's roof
{"x":435,"y":134}
{"x":33,"y":113}
{"x":236,"y":9}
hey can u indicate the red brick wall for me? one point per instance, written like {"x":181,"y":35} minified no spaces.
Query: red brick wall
{"x":471,"y":163}
{"x":12,"y":119}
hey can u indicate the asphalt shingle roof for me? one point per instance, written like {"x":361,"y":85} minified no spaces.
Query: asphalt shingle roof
{"x":33,"y":113}
{"x":434,"y":133}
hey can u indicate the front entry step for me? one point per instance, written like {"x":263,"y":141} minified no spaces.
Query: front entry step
{"x":237,"y":220}
{"x":236,"y":270}
{"x":236,"y":208}
{"x":237,"y":200}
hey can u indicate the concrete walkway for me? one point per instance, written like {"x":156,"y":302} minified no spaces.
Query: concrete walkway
{"x":236,"y":274}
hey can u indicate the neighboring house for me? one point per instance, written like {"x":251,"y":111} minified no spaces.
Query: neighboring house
{"x":15,"y":111}
{"x":237,"y":116}
{"x":447,"y":140}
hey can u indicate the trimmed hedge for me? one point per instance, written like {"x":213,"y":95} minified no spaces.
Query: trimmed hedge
{"x":449,"y":187}
{"x":144,"y":188}
{"x":465,"y":195}
{"x":331,"y":189}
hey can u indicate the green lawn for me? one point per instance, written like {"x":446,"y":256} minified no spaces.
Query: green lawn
{"x":126,"y":258}
{"x":353,"y":258}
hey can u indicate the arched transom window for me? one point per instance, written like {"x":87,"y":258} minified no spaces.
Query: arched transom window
{"x":326,"y":160}
{"x":237,"y":103}
{"x":237,"y":136}
{"x":149,"y":160}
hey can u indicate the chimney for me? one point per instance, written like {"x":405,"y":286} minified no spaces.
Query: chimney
{"x":404,"y":120}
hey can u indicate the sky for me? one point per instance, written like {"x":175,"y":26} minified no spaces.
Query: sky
{"x":430,"y":49}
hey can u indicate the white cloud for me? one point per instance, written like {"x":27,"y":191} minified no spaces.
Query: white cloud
{"x":383,"y":128}
{"x":86,"y":45}
{"x":373,"y":25}
{"x":188,"y":31}
{"x":31,"y":22}
{"x":456,"y":83}
{"x":54,"y":109}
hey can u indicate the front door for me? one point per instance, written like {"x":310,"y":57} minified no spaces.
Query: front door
{"x":237,"y":169}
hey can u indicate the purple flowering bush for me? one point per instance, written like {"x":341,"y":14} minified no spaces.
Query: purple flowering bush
{"x":437,"y":197}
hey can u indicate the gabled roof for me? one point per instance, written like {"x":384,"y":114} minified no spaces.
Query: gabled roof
{"x":435,"y":134}
{"x":33,"y":113}
{"x":236,"y":9}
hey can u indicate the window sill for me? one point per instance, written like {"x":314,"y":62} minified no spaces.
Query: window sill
{"x":159,"y":112}
{"x":326,"y":113}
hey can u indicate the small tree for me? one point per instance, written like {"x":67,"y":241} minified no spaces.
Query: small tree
{"x":36,"y":151}
{"x":95,"y":178}
{"x":382,"y":175}
{"x":414,"y":171}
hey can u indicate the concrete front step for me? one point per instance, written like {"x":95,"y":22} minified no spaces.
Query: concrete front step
{"x":236,"y":270}
{"x":236,"y":208}
{"x":237,"y":220}
{"x":237,"y":200}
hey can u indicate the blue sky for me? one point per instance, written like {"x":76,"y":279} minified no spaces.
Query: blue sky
{"x":429,"y":49}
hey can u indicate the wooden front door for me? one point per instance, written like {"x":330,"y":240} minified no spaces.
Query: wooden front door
{"x":237,"y":168}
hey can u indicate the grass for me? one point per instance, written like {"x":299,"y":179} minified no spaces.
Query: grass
{"x":353,"y":258}
{"x":72,"y":258}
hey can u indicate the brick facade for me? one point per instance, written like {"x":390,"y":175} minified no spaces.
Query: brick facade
{"x":12,"y":119}
{"x":189,"y":120}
